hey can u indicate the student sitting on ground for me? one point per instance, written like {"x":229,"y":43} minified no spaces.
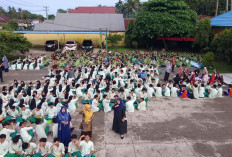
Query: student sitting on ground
{"x":44,"y":148}
{"x":15,"y":147}
{"x":29,"y":149}
{"x":86,"y":146}
{"x":213,"y":92}
{"x":4,"y":145}
{"x":26,"y":133}
{"x":106,"y":104}
{"x":41,"y":128}
{"x":142,"y":105}
{"x":57,"y":149}
{"x":73,"y":150}
{"x":130,"y":104}
{"x":95,"y":105}
{"x":8,"y":131}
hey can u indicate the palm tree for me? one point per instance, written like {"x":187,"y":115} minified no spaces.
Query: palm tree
{"x":216,"y":7}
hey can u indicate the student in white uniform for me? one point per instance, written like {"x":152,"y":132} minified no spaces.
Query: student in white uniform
{"x":15,"y":146}
{"x":29,"y":148}
{"x":40,"y":128}
{"x":86,"y":146}
{"x":44,"y":147}
{"x":4,"y":145}
{"x":26,"y":137}
{"x":195,"y":91}
{"x":25,"y":113}
{"x":7,"y":131}
{"x":106,"y":104}
{"x":220,"y":91}
{"x":129,"y":104}
{"x":57,"y":149}
{"x":158,"y":91}
{"x":142,"y":105}
{"x":174,"y":91}
{"x":72,"y":101}
{"x":166,"y":90}
{"x":54,"y":128}
{"x":202,"y":91}
{"x":150,"y":91}
{"x":213,"y":92}
{"x":51,"y":111}
{"x":94,"y":105}
{"x":73,"y":149}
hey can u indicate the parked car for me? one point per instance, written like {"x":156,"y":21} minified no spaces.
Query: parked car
{"x":87,"y":45}
{"x":71,"y":45}
{"x":51,"y":45}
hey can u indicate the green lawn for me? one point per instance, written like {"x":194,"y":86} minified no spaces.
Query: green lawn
{"x":123,"y":49}
{"x":221,"y":67}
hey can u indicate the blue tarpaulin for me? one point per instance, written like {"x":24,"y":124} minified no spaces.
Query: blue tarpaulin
{"x":223,"y":20}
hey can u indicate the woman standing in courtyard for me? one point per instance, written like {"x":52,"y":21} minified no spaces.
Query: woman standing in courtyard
{"x":64,"y":133}
{"x":120,"y":120}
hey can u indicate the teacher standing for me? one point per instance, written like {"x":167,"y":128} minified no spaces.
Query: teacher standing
{"x":120,"y":121}
{"x":64,"y":133}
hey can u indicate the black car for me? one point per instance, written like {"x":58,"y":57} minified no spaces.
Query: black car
{"x":51,"y":45}
{"x":87,"y":45}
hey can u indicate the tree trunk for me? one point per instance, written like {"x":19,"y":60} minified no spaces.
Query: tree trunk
{"x":227,"y":5}
{"x":231,"y":5}
{"x":165,"y":44}
{"x":216,"y":13}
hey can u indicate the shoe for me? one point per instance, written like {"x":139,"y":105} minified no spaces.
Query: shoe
{"x":122,"y":137}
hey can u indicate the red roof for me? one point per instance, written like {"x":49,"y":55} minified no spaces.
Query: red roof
{"x":4,"y":19}
{"x":126,"y":21}
{"x":99,"y":10}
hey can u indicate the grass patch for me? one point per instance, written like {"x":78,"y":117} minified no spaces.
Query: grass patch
{"x":221,"y":67}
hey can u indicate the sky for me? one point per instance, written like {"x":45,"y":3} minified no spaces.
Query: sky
{"x":37,"y":6}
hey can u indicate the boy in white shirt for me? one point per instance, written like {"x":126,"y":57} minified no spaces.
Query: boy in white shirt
{"x":25,"y":113}
{"x":86,"y":146}
{"x":106,"y":104}
{"x":13,"y":113}
{"x":86,"y":97}
{"x":44,"y":147}
{"x":166,"y":90}
{"x":41,"y":128}
{"x":174,"y":91}
{"x":8,"y":131}
{"x":142,"y":105}
{"x":150,"y":91}
{"x":95,"y":104}
{"x":15,"y":146}
{"x":129,"y":104}
{"x":73,"y":149}
{"x":57,"y":149}
{"x":213,"y":92}
{"x":51,"y":112}
{"x":26,"y":133}
{"x":195,"y":91}
{"x":202,"y":91}
{"x":29,"y":149}
{"x":158,"y":91}
{"x":4,"y":145}
{"x":220,"y":91}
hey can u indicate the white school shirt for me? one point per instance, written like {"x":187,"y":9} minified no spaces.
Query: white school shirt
{"x":86,"y":147}
{"x":195,"y":92}
{"x":56,"y":151}
{"x":45,"y":150}
{"x":7,"y":132}
{"x":40,"y":130}
{"x":213,"y":93}
{"x":25,"y":114}
{"x":55,"y":130}
{"x":15,"y":147}
{"x":112,"y":95}
{"x":3,"y":115}
{"x":52,"y":112}
{"x":143,"y":95}
{"x":31,"y":149}
{"x":122,"y":96}
{"x":71,"y":105}
{"x":158,"y":91}
{"x":201,"y":92}
{"x":220,"y":91}
{"x":174,"y":91}
{"x":4,"y":148}
{"x":39,"y":113}
{"x":142,"y":106}
{"x":86,"y":96}
{"x":25,"y":135}
{"x":72,"y":148}
{"x":106,"y":104}
{"x":150,"y":92}
{"x":130,"y":106}
{"x":13,"y":114}
{"x":167,"y":92}
{"x":94,"y":105}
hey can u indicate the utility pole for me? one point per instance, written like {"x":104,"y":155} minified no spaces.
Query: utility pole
{"x":46,"y":10}
{"x":217,"y":3}
{"x":231,"y":5}
{"x":227,"y":5}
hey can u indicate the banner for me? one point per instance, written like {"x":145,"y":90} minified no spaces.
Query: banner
{"x":176,"y":39}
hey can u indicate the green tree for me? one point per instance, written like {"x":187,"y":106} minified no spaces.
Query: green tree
{"x":223,"y":44}
{"x":13,"y":25}
{"x":208,"y":59}
{"x":13,"y":42}
{"x":165,"y":18}
{"x":203,"y":34}
{"x":113,"y":39}
{"x":51,"y":17}
{"x":61,"y":11}
{"x":129,"y":33}
{"x":129,"y":8}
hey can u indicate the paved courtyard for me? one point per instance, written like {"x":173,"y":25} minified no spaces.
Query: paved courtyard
{"x":169,"y":127}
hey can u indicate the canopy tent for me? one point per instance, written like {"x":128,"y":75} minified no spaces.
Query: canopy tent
{"x":223,"y":20}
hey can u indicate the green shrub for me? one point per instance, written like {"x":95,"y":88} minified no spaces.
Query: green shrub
{"x":208,"y":59}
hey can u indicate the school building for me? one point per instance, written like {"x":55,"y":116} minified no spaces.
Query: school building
{"x":77,"y":26}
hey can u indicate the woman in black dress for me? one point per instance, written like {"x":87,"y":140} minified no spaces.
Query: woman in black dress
{"x":120,"y":121}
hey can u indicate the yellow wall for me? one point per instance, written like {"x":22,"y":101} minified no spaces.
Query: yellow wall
{"x":40,"y":39}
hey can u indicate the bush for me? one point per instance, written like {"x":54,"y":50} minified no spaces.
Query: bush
{"x":135,"y":44}
{"x":114,"y":39}
{"x":208,"y":59}
{"x":223,"y":44}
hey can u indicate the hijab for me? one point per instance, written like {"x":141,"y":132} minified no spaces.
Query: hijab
{"x":120,"y":107}
{"x":63,"y":116}
{"x":88,"y":113}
